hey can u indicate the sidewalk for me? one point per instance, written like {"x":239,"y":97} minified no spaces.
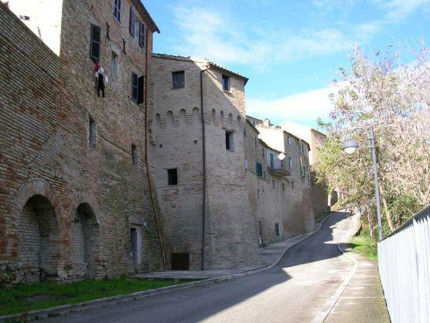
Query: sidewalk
{"x":268,"y":257}
{"x":363,"y":299}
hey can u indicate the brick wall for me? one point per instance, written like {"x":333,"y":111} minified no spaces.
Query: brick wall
{"x":176,"y":134}
{"x":47,"y":102}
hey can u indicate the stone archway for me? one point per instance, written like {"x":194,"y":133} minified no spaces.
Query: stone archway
{"x":38,"y":236}
{"x":86,"y":233}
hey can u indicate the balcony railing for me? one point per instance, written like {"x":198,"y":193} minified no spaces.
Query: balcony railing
{"x":279,"y":170}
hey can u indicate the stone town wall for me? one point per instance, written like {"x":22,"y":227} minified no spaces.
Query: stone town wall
{"x":176,"y":138}
{"x":47,"y":168}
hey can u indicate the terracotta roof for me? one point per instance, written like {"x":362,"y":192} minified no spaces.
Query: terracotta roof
{"x":145,"y":14}
{"x":211,"y":64}
{"x":225,"y":70}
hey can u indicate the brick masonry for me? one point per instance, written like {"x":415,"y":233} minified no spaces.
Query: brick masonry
{"x":230,"y":239}
{"x":283,"y":200}
{"x":75,"y":200}
{"x":67,"y":208}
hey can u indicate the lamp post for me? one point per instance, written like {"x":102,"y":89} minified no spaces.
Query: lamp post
{"x":350,"y":146}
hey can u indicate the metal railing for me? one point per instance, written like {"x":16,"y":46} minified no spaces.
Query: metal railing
{"x":404,"y":268}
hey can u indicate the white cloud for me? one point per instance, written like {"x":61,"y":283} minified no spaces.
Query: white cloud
{"x":302,"y":108}
{"x":397,"y":10}
{"x":215,"y":35}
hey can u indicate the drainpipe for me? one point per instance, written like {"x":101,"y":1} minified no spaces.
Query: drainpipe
{"x":204,"y":170}
{"x":151,"y":192}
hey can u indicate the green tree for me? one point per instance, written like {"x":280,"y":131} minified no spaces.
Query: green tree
{"x":395,"y":99}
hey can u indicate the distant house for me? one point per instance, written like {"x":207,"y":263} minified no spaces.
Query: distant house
{"x":320,"y":197}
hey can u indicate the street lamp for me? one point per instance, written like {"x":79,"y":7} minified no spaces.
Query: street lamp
{"x":350,"y":146}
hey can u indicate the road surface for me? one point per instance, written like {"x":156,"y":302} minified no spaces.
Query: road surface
{"x":295,"y":290}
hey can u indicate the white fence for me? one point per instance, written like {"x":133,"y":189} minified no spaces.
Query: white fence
{"x":404,"y":268}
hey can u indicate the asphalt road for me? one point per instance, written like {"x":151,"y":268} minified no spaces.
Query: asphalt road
{"x":293,"y":291}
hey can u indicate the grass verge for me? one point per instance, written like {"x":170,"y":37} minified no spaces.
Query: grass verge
{"x":364,"y":244}
{"x":28,"y":297}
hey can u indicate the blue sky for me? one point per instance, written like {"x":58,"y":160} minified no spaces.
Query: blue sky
{"x":290,"y":50}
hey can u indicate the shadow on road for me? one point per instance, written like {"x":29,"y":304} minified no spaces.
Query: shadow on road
{"x":203,"y":302}
{"x":319,"y":246}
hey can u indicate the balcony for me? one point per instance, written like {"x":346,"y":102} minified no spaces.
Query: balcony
{"x":278,"y":171}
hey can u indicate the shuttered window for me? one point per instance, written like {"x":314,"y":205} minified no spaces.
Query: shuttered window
{"x":259,"y":169}
{"x":131,"y":28}
{"x":141,"y":34}
{"x":117,"y":10}
{"x":95,"y":42}
{"x":137,"y":88}
{"x":140,"y":89}
{"x":134,"y":87}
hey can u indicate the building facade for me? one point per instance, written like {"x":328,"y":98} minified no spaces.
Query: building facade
{"x":298,"y":216}
{"x":266,"y":176}
{"x":197,"y":153}
{"x":75,"y":199}
{"x":321,"y":201}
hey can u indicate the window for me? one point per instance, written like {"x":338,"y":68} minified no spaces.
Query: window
{"x":272,"y":161}
{"x":134,"y":88}
{"x":263,"y":151}
{"x":137,"y":88}
{"x":303,"y":171}
{"x":302,"y":147}
{"x":225,"y":83}
{"x":134,"y":156}
{"x":95,"y":42}
{"x":277,"y":231}
{"x":229,"y":140}
{"x":259,"y":169}
{"x":289,"y":141}
{"x":178,"y":79}
{"x":141,"y":34}
{"x":244,"y":132}
{"x":131,"y":23}
{"x":290,"y":162}
{"x":273,"y":184}
{"x":117,"y":10}
{"x":114,"y":65}
{"x":92,"y":133}
{"x":172,"y":175}
{"x":256,"y":141}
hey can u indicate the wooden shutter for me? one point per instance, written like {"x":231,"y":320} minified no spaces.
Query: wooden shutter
{"x":95,"y":42}
{"x":131,"y":23}
{"x":141,"y":34}
{"x":134,"y":88}
{"x":140,"y":89}
{"x":259,"y":169}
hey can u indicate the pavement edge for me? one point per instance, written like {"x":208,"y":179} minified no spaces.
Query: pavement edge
{"x":332,"y":301}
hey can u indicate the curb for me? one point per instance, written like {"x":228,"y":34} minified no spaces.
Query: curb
{"x":332,"y":301}
{"x":101,"y":302}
